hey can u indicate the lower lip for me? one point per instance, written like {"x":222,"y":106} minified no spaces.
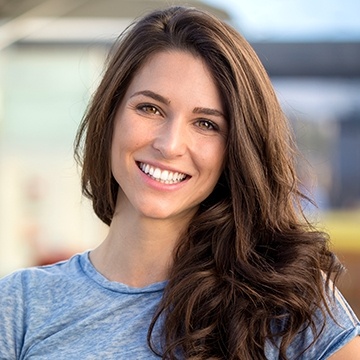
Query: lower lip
{"x":160,"y":185}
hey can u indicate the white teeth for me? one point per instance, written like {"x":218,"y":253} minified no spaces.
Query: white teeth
{"x":164,"y":176}
{"x":157,"y":173}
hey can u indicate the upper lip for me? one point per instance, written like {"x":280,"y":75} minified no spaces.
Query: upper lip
{"x":162,"y":167}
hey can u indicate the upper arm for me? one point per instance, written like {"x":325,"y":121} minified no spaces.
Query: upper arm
{"x":351,"y":351}
{"x":336,"y":334}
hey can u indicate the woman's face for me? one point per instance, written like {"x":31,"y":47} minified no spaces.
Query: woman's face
{"x":169,"y":138}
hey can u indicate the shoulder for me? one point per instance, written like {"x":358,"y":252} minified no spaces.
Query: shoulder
{"x":343,"y":327}
{"x":26,"y":292}
{"x":334,"y":329}
{"x":37,"y":281}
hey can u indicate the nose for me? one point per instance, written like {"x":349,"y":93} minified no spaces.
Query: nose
{"x":171,"y":138}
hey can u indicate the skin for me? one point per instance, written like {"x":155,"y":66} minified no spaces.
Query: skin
{"x":171,"y":118}
{"x":351,"y":351}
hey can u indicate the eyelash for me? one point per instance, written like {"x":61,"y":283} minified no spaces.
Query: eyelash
{"x":146,"y":107}
{"x":210,"y":126}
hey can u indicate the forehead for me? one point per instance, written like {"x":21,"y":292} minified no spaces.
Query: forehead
{"x":177,"y":73}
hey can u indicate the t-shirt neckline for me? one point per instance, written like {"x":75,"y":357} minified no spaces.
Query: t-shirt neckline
{"x":90,"y":271}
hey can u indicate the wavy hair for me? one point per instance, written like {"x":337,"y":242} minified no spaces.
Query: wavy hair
{"x":249,"y":259}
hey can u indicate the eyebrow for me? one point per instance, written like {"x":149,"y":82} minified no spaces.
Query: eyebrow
{"x":207,"y":111}
{"x":153,"y":95}
{"x":164,"y":100}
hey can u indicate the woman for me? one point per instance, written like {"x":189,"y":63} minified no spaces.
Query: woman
{"x":187,"y":157}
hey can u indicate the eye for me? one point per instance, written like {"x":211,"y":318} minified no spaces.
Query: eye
{"x":207,"y":125}
{"x":149,"y":109}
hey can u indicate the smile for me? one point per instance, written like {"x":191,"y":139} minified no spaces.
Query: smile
{"x":163,"y":176}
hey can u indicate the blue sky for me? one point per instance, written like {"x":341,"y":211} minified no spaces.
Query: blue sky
{"x":295,"y":20}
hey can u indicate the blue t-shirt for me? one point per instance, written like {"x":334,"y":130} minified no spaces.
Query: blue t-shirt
{"x":69,"y":311}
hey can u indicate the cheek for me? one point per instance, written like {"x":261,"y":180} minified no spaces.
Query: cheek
{"x":124,"y":137}
{"x":216,"y":157}
{"x":212,"y":163}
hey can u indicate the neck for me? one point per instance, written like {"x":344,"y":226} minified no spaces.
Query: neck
{"x":137,"y":251}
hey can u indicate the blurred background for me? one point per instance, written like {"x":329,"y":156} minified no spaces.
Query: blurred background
{"x":51,"y":58}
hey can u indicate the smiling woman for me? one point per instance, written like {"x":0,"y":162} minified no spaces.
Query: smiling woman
{"x":169,"y":125}
{"x":188,"y":158}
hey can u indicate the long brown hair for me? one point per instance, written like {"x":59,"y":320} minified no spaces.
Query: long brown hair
{"x":249,"y":258}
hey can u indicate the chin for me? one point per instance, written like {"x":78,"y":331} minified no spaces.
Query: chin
{"x":165,"y":214}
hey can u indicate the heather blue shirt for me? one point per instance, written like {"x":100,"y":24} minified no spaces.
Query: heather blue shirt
{"x":69,"y":310}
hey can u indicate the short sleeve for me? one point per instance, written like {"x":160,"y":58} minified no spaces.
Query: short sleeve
{"x":336,"y":329}
{"x":339,"y":330}
{"x":11,"y":316}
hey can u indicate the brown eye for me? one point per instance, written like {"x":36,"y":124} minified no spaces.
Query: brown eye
{"x":149,"y":109}
{"x":206,"y":125}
